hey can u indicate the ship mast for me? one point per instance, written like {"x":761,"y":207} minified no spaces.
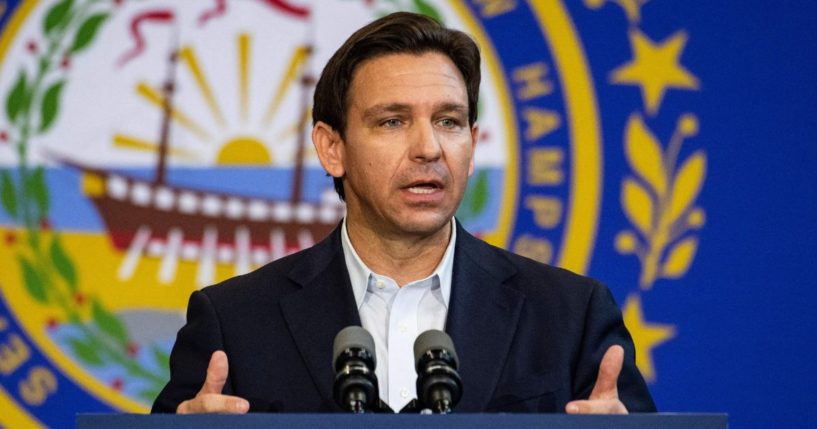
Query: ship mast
{"x":307,"y":81}
{"x":168,"y":88}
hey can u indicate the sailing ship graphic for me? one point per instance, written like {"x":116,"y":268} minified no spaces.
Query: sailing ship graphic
{"x":151,"y":218}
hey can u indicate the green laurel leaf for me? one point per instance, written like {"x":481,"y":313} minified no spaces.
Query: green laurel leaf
{"x":109,"y":323}
{"x":33,"y":281}
{"x":63,"y":263}
{"x":57,"y":16}
{"x":149,"y":394}
{"x":161,"y":357}
{"x":50,"y":105}
{"x":476,"y":197}
{"x":428,"y":10}
{"x":17,"y":100}
{"x":479,"y":196}
{"x":87,"y":32}
{"x":8,"y":194}
{"x":35,"y":186}
{"x":85,"y":352}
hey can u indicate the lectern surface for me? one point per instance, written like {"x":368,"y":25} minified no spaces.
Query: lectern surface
{"x":402,"y":421}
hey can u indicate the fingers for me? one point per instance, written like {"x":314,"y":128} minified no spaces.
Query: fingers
{"x":604,"y":397}
{"x":607,"y":381}
{"x":217,"y":372}
{"x":214,"y":403}
{"x":209,"y":399}
{"x":596,"y":406}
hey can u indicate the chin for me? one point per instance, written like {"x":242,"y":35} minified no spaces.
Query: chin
{"x":425,"y":224}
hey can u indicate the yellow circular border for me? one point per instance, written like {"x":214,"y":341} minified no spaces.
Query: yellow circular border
{"x":499,"y":236}
{"x":14,"y":415}
{"x":582,"y":111}
{"x":585,"y":134}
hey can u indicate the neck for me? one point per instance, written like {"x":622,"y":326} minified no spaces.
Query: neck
{"x":402,"y":258}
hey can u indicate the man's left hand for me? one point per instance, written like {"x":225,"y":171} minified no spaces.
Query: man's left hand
{"x":604,"y":397}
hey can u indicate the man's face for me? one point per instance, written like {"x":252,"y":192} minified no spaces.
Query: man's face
{"x":408,"y":149}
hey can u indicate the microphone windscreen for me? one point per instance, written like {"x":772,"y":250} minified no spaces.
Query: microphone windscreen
{"x":354,"y":337}
{"x":434,"y":340}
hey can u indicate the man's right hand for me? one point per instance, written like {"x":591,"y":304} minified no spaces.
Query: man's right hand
{"x":209,"y":399}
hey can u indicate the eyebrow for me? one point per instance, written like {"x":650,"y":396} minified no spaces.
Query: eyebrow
{"x":389,"y":108}
{"x":454,"y":107}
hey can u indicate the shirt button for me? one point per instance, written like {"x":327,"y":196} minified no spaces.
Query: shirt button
{"x":404,"y":392}
{"x":403,"y":328}
{"x":380,"y":284}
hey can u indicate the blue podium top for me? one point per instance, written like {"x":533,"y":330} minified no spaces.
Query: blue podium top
{"x":404,"y":421}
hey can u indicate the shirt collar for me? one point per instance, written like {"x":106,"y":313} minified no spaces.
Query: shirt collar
{"x":359,"y":273}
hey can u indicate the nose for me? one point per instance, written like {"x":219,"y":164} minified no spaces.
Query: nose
{"x":425,"y":144}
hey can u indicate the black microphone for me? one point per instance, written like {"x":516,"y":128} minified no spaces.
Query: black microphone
{"x":353,"y":354}
{"x":439,"y":386}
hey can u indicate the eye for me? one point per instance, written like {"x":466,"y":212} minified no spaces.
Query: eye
{"x":448,"y":123}
{"x":391,"y":123}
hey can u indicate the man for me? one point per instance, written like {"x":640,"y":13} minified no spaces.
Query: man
{"x":395,"y":125}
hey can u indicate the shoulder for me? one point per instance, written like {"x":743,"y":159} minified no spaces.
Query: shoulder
{"x":532,"y":278}
{"x":279,"y":277}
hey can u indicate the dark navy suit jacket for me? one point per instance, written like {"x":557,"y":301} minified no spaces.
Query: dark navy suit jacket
{"x":529,"y":336}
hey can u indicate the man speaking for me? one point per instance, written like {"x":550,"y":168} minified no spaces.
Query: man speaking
{"x":395,"y":125}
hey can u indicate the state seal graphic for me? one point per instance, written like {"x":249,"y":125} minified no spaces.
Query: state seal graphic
{"x":151,"y":148}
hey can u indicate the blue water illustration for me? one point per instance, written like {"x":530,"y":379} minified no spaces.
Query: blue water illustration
{"x":71,"y":210}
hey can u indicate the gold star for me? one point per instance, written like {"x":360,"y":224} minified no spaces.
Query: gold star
{"x":646,"y":336}
{"x":655,"y":67}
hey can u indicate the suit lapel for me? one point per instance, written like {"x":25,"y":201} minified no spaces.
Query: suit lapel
{"x":482,"y":317}
{"x":324,"y":305}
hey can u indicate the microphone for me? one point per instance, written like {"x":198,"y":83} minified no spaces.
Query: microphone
{"x":355,"y":388}
{"x":439,"y":386}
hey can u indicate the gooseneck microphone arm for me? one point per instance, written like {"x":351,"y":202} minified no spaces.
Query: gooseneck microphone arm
{"x":439,"y":386}
{"x":355,"y":389}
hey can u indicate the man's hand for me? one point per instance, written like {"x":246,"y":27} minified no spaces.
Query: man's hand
{"x":209,"y":399}
{"x":604,"y":398}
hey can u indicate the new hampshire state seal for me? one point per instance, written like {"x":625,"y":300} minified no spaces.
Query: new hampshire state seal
{"x":148,"y":149}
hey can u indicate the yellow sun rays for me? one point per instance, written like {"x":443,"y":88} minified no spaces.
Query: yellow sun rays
{"x":201,"y":129}
{"x":244,"y":73}
{"x":133,"y":143}
{"x":296,"y":62}
{"x":188,"y":57}
{"x":156,"y":98}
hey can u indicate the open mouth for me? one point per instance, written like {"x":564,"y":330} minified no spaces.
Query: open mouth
{"x":424,"y":187}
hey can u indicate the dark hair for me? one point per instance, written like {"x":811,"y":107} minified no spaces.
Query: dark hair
{"x":400,"y":32}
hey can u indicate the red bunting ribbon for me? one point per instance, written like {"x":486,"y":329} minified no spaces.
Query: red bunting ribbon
{"x":286,"y":7}
{"x":281,"y":5}
{"x":216,"y":11}
{"x":161,"y":16}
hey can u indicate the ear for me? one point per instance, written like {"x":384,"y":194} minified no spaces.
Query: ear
{"x":329,"y":147}
{"x":474,"y":137}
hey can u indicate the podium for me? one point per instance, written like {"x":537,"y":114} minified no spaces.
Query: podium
{"x":404,"y":421}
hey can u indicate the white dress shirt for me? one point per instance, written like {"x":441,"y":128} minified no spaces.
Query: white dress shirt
{"x":395,"y":316}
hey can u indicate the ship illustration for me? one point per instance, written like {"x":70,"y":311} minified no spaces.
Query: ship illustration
{"x":151,"y":218}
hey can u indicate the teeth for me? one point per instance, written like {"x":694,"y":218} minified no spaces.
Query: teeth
{"x":421,"y":190}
